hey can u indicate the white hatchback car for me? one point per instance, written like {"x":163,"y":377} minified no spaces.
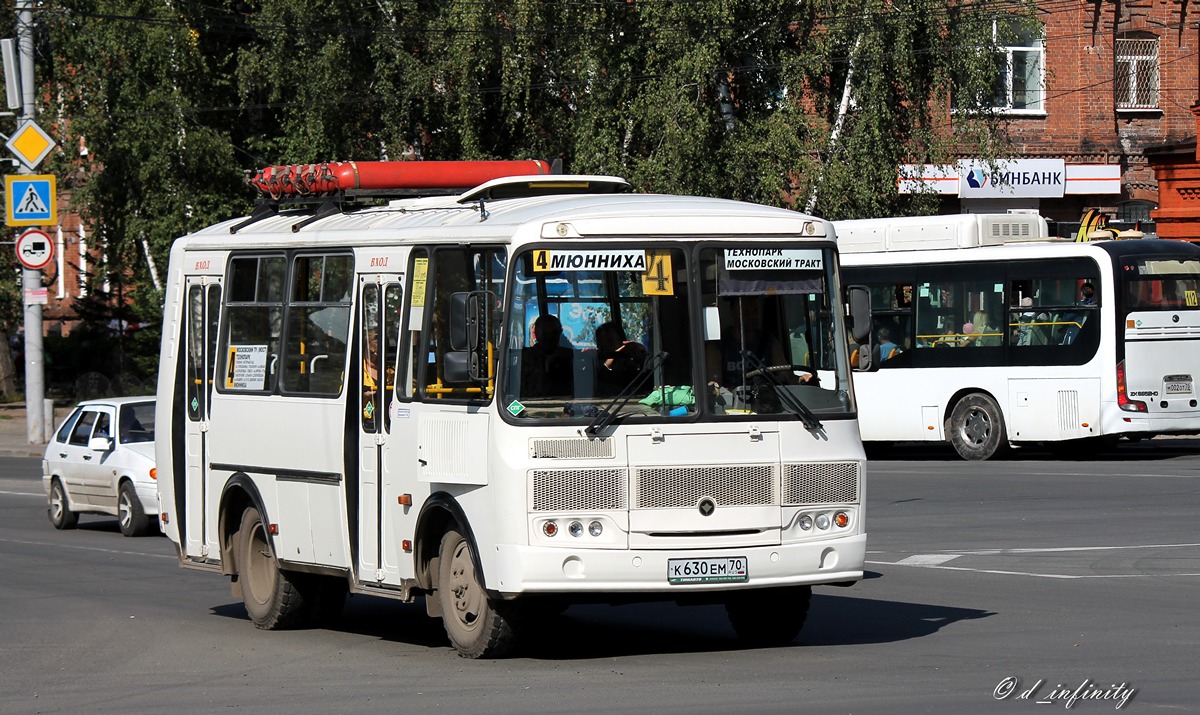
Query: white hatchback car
{"x":101,"y":461}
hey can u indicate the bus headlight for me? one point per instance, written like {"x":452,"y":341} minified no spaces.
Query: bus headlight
{"x":595,"y":528}
{"x":575,"y":529}
{"x":822,"y":521}
{"x":805,"y":522}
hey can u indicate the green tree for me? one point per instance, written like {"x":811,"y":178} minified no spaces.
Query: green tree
{"x":175,"y":99}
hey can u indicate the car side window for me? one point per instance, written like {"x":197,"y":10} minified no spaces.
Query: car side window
{"x":83,"y":428}
{"x":102,"y":426}
{"x":64,"y":432}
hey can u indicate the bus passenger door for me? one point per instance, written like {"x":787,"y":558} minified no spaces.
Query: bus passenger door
{"x":203,"y":309}
{"x":378,"y":335}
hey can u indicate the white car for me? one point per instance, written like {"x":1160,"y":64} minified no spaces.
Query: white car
{"x":101,"y":461}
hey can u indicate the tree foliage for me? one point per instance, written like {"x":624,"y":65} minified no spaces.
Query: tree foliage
{"x":175,"y":99}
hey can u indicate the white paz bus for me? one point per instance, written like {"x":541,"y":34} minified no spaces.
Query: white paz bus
{"x":987,"y":333}
{"x":536,"y":391}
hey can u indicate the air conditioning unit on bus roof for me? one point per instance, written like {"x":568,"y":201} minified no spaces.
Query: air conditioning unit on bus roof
{"x":922,"y":233}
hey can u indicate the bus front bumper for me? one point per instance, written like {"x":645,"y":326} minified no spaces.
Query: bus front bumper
{"x":535,"y":569}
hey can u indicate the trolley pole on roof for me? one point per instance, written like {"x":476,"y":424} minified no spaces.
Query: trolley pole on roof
{"x":35,"y":382}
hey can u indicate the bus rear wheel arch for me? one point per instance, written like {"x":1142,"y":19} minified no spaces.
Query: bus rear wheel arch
{"x":976,"y":427}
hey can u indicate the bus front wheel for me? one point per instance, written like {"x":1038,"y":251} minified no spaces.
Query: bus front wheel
{"x":478,"y":626}
{"x":977,"y":428}
{"x":273,"y":598}
{"x":769,"y":616}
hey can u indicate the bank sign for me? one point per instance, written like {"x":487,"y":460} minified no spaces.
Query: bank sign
{"x":1019,"y":178}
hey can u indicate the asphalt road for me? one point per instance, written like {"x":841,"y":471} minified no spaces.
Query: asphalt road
{"x":1028,"y":576}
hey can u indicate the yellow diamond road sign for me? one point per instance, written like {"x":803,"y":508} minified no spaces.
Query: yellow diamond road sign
{"x":30,"y":144}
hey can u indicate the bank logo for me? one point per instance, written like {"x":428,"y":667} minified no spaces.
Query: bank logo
{"x":977,"y":179}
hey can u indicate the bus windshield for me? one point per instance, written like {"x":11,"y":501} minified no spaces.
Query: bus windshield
{"x":1160,"y":283}
{"x":588,"y":326}
{"x":606,"y":333}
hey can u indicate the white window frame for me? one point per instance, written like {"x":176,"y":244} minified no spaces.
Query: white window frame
{"x":1037,"y":50}
{"x":1131,"y":55}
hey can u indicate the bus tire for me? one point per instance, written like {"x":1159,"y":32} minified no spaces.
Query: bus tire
{"x":477,"y":626}
{"x":132,"y":519}
{"x":976,"y":428}
{"x":273,"y":598}
{"x":769,"y":616}
{"x":60,"y":512}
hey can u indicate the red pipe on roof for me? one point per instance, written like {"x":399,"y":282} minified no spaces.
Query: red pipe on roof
{"x":331,"y":177}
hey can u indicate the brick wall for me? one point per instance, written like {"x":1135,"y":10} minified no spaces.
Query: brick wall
{"x":1081,"y":123}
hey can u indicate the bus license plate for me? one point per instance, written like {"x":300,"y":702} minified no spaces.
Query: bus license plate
{"x":732,"y":569}
{"x":1178,"y":388}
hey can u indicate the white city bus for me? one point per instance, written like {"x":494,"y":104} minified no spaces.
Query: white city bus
{"x":354,"y":398}
{"x":995,"y":334}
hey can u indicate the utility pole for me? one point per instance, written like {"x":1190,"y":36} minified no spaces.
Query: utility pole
{"x":35,"y":379}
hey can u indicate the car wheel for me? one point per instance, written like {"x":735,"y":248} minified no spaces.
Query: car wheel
{"x":273,"y":598}
{"x":769,"y":616}
{"x":976,"y":428}
{"x":60,"y":512}
{"x":477,"y":626}
{"x":133,"y":519}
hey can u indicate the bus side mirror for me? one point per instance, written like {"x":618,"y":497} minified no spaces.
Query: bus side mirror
{"x":469,"y":330}
{"x":860,"y":313}
{"x":459,"y":328}
{"x":859,"y":304}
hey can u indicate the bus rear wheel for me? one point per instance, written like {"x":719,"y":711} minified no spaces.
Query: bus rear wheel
{"x":976,"y":428}
{"x":770,"y":616}
{"x":478,"y":626}
{"x":273,"y":597}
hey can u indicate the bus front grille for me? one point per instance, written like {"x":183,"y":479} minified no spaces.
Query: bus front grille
{"x":577,"y":489}
{"x":820,"y":483}
{"x":734,"y":485}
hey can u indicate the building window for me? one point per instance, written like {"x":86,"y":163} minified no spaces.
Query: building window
{"x":1134,"y":211}
{"x":1020,"y":84}
{"x":1135,"y":79}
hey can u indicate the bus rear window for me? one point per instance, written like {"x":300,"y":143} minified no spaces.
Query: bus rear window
{"x":1160,"y":284}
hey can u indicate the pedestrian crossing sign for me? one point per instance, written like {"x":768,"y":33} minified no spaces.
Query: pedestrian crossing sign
{"x":30,"y":200}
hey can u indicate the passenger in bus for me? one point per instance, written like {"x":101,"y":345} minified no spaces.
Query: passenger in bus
{"x":618,"y":360}
{"x":370,"y":380}
{"x":1076,"y":319}
{"x":982,"y":331}
{"x":887,"y":347}
{"x":547,"y":366}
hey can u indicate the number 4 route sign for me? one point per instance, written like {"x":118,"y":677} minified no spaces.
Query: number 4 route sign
{"x":34,"y":249}
{"x":30,"y":200}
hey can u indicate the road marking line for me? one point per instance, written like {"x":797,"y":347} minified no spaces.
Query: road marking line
{"x":927,"y":559}
{"x":24,"y":494}
{"x":1053,"y":549}
{"x":88,"y":548}
{"x":1036,"y":575}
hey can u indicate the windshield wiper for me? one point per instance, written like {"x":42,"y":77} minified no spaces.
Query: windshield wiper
{"x":793,"y":403}
{"x":608,"y":413}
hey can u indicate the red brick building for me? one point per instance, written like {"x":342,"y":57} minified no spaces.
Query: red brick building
{"x":1107,"y":89}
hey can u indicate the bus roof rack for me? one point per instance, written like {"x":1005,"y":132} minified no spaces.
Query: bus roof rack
{"x":331,"y":186}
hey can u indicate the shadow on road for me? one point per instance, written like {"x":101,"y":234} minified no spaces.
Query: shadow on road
{"x":602,"y":631}
{"x":1076,"y":451}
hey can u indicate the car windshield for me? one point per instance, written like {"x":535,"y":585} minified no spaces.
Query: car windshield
{"x":136,"y":423}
